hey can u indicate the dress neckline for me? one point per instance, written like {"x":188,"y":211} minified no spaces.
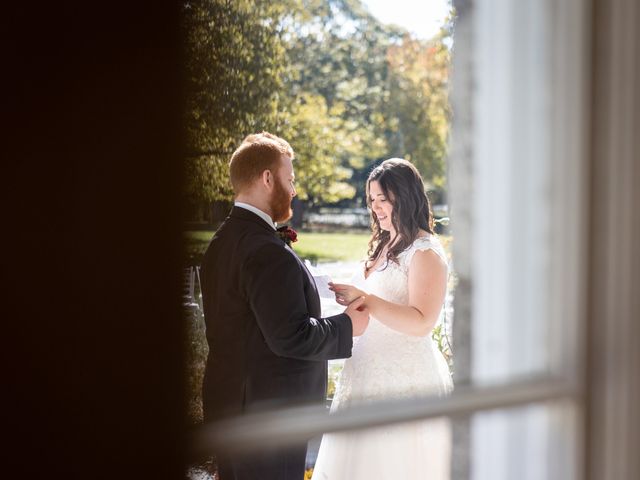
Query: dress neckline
{"x":428,"y":236}
{"x":371,"y":272}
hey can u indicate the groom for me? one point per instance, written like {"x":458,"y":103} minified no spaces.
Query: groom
{"x":268,"y":345}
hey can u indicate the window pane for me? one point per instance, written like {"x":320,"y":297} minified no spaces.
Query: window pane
{"x":518,"y":179}
{"x":529,"y":443}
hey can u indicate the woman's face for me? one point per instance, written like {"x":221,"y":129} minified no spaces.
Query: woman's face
{"x":381,"y":206}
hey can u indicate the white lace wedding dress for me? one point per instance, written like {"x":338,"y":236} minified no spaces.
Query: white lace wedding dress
{"x":386,"y":364}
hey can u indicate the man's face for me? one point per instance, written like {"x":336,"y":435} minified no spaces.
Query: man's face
{"x":283,"y":192}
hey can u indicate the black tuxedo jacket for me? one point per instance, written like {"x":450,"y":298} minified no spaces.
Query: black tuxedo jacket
{"x":268,"y":346}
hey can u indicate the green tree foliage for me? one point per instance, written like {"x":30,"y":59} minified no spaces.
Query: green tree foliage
{"x":388,"y":89}
{"x":316,"y":136}
{"x":344,"y":89}
{"x":418,"y":104}
{"x":337,"y":50}
{"x":235,"y":63}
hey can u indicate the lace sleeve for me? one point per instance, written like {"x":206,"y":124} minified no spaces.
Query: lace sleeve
{"x":423,"y":244}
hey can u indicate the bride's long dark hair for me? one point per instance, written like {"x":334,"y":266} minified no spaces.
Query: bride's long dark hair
{"x":402,"y":185}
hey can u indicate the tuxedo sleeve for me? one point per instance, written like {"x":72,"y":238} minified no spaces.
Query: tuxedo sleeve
{"x":274,"y":285}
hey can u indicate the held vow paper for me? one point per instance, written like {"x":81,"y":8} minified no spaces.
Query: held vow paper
{"x":322,"y":281}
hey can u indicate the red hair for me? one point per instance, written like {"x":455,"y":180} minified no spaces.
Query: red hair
{"x":257,"y":153}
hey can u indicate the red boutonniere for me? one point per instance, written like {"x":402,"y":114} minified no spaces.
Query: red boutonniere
{"x":287,"y":234}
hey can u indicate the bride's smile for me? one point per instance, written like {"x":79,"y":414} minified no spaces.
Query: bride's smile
{"x":381,"y":206}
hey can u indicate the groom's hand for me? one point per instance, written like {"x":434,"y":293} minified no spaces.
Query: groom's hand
{"x":359,"y":316}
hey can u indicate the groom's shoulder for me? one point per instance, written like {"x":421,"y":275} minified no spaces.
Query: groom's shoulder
{"x":245,"y":236}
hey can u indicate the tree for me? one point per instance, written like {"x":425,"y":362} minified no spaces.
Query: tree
{"x":235,"y":63}
{"x":344,"y":89}
{"x":316,"y":136}
{"x":418,"y":104}
{"x":387,"y":87}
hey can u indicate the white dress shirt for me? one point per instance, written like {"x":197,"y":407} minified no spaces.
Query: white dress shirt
{"x":257,"y":211}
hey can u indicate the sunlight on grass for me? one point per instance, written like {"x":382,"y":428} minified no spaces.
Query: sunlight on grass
{"x":331,"y":247}
{"x":317,"y":247}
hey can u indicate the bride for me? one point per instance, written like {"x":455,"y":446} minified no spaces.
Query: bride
{"x":404,"y":284}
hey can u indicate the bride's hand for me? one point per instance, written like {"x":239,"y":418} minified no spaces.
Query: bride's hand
{"x":345,"y":294}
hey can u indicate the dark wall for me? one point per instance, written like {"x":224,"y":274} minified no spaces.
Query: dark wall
{"x":90,"y":311}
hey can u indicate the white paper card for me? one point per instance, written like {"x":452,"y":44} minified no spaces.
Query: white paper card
{"x":322,"y":284}
{"x":322,"y":280}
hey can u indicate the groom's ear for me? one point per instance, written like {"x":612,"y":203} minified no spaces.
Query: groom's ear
{"x":267,"y":178}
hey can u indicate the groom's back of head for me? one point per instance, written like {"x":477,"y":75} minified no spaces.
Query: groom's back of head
{"x":257,"y":152}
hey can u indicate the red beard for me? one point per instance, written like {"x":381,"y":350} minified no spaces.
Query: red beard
{"x":281,"y":204}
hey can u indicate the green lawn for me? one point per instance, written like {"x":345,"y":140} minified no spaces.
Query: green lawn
{"x":317,"y":247}
{"x":329,"y":247}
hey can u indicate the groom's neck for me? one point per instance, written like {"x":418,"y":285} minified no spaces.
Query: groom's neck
{"x":255,"y":202}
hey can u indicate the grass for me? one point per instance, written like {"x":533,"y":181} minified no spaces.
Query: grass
{"x":332,"y":247}
{"x":317,"y":247}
